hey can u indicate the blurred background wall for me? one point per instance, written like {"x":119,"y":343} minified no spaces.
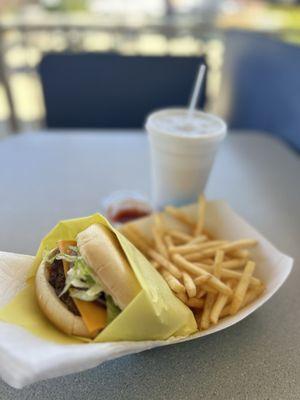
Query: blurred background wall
{"x":31,"y":28}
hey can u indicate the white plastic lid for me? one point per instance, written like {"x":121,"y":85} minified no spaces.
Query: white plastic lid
{"x":175,"y":122}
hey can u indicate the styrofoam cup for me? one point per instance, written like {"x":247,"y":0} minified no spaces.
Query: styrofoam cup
{"x":182,"y":153}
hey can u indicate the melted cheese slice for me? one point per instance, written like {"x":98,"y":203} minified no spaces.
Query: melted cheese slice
{"x":94,"y":316}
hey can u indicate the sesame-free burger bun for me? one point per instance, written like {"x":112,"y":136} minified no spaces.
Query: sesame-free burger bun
{"x":102,"y":252}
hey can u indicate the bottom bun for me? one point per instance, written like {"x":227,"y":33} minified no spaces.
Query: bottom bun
{"x":56,"y":311}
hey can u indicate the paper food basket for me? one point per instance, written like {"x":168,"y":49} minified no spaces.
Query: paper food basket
{"x":26,"y":358}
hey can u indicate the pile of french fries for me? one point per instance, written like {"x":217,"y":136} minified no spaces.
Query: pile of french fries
{"x":213,"y":277}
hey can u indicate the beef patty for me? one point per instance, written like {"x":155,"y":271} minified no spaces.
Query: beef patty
{"x":57,"y":280}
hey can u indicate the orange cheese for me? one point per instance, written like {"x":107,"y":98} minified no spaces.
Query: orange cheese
{"x":63,"y":246}
{"x":93,"y":315}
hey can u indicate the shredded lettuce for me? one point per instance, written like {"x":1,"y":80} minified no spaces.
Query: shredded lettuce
{"x":48,"y":258}
{"x":87,"y":295}
{"x":81,"y":282}
{"x":112,"y":309}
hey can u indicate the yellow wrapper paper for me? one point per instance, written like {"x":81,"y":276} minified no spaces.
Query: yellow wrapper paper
{"x":155,"y":313}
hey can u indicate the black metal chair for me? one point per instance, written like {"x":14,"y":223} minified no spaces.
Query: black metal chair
{"x":95,"y":90}
{"x":262,"y":85}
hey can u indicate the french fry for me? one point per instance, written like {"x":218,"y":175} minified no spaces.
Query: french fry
{"x":233,"y":263}
{"x":182,"y":296}
{"x":228,"y":273}
{"x":159,"y":244}
{"x":198,"y":239}
{"x":195,"y":248}
{"x":207,"y":233}
{"x":168,"y":241}
{"x":200,"y":294}
{"x":218,"y":307}
{"x":158,"y":222}
{"x":189,"y":285}
{"x":173,"y":282}
{"x":195,"y":302}
{"x":233,"y":247}
{"x":148,"y":241}
{"x":241,"y":289}
{"x":240,"y":244}
{"x":207,"y":267}
{"x":207,"y":261}
{"x":181,"y":236}
{"x":211,"y":297}
{"x":207,"y":288}
{"x":157,"y":232}
{"x":251,"y":295}
{"x":214,"y":244}
{"x":218,"y":285}
{"x":201,"y":215}
{"x":188,"y":266}
{"x":198,"y":315}
{"x":212,"y":285}
{"x":155,"y":264}
{"x":167,"y":264}
{"x":185,"y":249}
{"x":226,"y":311}
{"x":202,"y":279}
{"x":197,"y":257}
{"x":209,"y":301}
{"x":242,"y":254}
{"x":206,"y":253}
{"x":217,"y":268}
{"x":158,"y":258}
{"x":219,"y":304}
{"x":138,"y":240}
{"x":179,"y":216}
{"x":196,"y":270}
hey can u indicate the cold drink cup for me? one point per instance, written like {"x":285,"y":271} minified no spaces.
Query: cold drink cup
{"x":183,"y":149}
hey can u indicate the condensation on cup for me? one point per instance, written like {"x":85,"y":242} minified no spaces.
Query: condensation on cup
{"x":183,"y":148}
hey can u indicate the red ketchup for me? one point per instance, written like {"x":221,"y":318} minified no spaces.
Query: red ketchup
{"x":126,"y":210}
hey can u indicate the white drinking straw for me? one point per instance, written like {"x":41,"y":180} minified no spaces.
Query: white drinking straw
{"x":196,"y":91}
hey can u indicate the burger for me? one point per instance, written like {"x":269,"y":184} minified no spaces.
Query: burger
{"x":83,"y":284}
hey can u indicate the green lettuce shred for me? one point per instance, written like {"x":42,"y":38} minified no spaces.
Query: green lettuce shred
{"x":112,"y":309}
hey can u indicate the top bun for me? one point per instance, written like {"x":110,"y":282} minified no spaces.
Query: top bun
{"x":103,"y":253}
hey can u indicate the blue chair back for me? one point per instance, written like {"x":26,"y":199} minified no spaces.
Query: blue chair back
{"x":95,"y":90}
{"x":262,"y":85}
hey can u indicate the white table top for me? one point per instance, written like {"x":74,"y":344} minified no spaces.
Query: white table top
{"x":51,"y":176}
